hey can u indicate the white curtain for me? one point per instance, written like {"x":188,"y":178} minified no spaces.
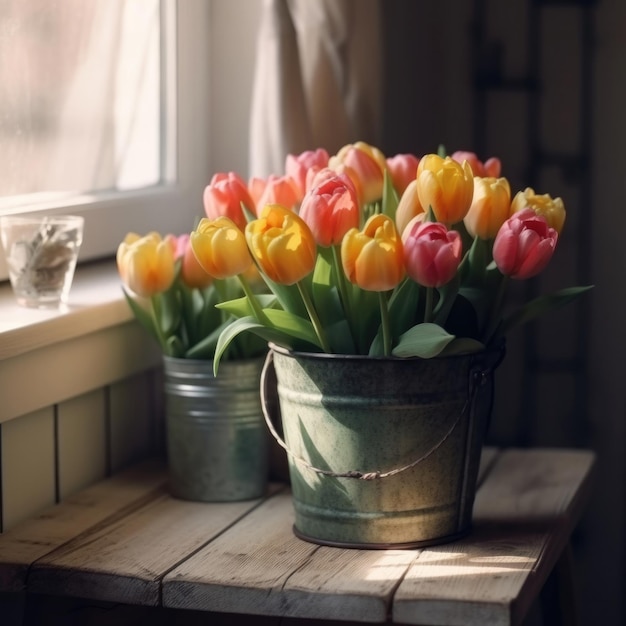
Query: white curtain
{"x":317,"y":79}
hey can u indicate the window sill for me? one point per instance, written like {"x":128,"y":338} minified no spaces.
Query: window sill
{"x":47,"y":356}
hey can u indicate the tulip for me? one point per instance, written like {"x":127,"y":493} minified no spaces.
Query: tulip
{"x":274,"y":190}
{"x":552,"y":209}
{"x":524,"y":245}
{"x":491,"y":206}
{"x":282,"y":244}
{"x":220,"y":247}
{"x":191,"y":272}
{"x":372,"y":258}
{"x":366,"y":167}
{"x":146,"y":264}
{"x":224,"y":196}
{"x":491,"y":168}
{"x":298,"y":167}
{"x":402,"y":169}
{"x":446,"y":186}
{"x":408,"y":207}
{"x":330,"y":209}
{"x":432,"y":253}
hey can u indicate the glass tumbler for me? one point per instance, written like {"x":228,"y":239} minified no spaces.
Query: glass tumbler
{"x":41,"y":254}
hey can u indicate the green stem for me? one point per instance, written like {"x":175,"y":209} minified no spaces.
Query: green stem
{"x":343,"y":287}
{"x":428,"y":308}
{"x":384,"y":322}
{"x":495,"y":316}
{"x":154,"y":310}
{"x":252,"y":299}
{"x":315,"y":320}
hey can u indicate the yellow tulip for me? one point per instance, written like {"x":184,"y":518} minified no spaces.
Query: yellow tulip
{"x":220,"y":247}
{"x":373,"y":258}
{"x":490,"y":208}
{"x":408,"y":207}
{"x":552,"y":209}
{"x":146,"y":264}
{"x":446,"y":186}
{"x":282,"y":244}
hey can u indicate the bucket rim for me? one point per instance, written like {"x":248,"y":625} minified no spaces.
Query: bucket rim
{"x":493,"y":349}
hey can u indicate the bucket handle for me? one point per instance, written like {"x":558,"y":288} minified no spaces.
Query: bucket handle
{"x":478,"y":377}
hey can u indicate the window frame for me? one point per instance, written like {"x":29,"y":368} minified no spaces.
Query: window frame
{"x":175,"y":204}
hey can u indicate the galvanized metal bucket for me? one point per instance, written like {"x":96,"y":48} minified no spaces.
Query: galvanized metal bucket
{"x":217,"y":443}
{"x":383,"y":452}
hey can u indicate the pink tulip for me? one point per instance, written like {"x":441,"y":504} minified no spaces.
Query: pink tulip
{"x":402,"y":168}
{"x":432,"y":253}
{"x":274,"y":190}
{"x":490,"y":168}
{"x":298,"y":167}
{"x":524,"y":245}
{"x":331,"y":209}
{"x":224,"y":196}
{"x":191,"y":272}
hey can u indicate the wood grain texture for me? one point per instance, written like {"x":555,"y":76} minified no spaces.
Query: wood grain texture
{"x":60,"y":524}
{"x":523,"y":517}
{"x":126,"y":560}
{"x":259,"y":567}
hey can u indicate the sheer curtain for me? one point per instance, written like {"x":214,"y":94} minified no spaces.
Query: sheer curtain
{"x":317,"y":79}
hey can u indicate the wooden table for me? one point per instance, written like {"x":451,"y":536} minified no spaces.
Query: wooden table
{"x":126,"y":541}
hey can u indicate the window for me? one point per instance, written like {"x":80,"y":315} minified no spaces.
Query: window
{"x":103,"y":113}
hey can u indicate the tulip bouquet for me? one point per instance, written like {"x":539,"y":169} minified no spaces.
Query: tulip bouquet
{"x":363,"y":254}
{"x":174,"y":298}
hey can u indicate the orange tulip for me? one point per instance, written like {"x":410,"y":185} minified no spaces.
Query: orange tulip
{"x":330,"y":209}
{"x":446,"y":186}
{"x":282,"y":244}
{"x":366,"y":167}
{"x":146,"y":264}
{"x":220,"y":247}
{"x":373,"y":258}
{"x":491,"y":206}
{"x":552,"y":209}
{"x":224,"y":196}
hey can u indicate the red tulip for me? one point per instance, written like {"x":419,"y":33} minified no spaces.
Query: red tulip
{"x":299,"y":166}
{"x":331,"y":209}
{"x":524,"y":245}
{"x":274,"y":190}
{"x":224,"y":196}
{"x":432,"y":253}
{"x":403,"y":169}
{"x":490,"y":168}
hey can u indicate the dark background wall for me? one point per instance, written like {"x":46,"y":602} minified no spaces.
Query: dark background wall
{"x":541,"y":84}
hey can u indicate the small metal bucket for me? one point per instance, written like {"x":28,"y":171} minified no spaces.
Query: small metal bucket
{"x":383,"y":452}
{"x":217,"y":443}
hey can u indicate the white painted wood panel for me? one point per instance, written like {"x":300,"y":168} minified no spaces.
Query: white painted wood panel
{"x":82,"y":442}
{"x":28,"y":471}
{"x":132,"y":431}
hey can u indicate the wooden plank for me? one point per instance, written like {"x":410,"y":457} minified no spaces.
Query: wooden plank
{"x":99,"y":504}
{"x":259,"y":567}
{"x":315,"y":583}
{"x":125,"y":561}
{"x":524,"y":515}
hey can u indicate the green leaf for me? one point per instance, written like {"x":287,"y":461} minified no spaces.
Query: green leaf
{"x":462,"y":345}
{"x":292,"y":325}
{"x":143,"y":316}
{"x":423,"y":340}
{"x":447,"y":297}
{"x":541,"y":305}
{"x":241,"y":306}
{"x":390,"y":199}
